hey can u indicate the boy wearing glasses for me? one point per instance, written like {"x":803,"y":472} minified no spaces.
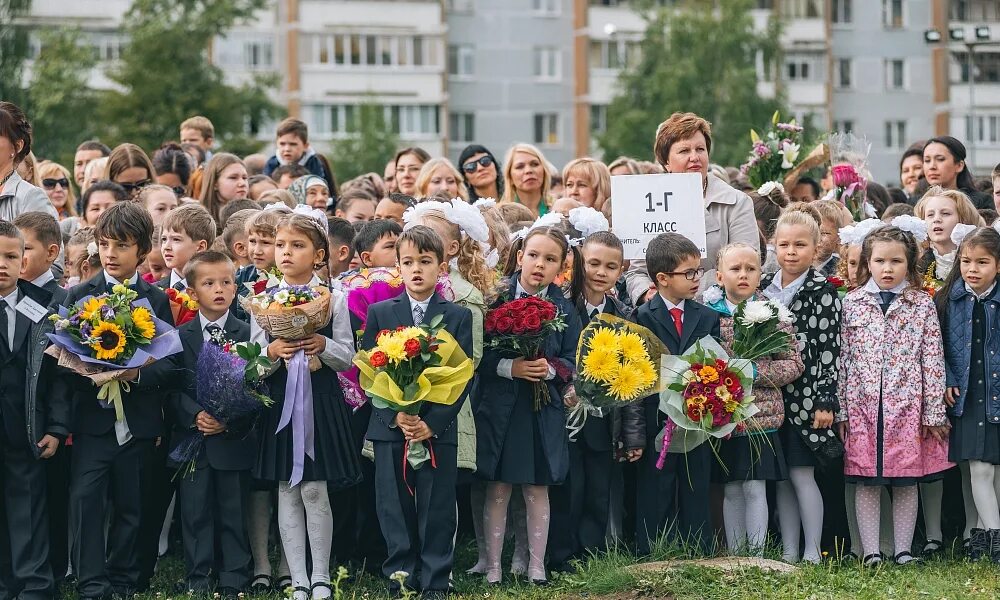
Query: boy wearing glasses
{"x":676,"y":498}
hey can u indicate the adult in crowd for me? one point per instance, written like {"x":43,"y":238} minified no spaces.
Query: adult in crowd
{"x":225,"y":181}
{"x":389,"y":176}
{"x":526,"y":178}
{"x":587,"y":181}
{"x":481,"y":172}
{"x":624,"y":165}
{"x":683,"y":144}
{"x":16,"y":195}
{"x":408,"y":162}
{"x":130,"y":167}
{"x":56,"y":183}
{"x":439,"y":176}
{"x":944,"y":165}
{"x":255,"y":163}
{"x":85,"y":153}
{"x":806,"y":189}
{"x":173,"y":168}
{"x":911,"y":169}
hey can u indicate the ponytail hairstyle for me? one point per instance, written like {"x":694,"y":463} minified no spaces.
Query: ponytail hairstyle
{"x":558,"y":235}
{"x":890,"y":233}
{"x":124,"y":157}
{"x":986,"y":238}
{"x":311,"y":228}
{"x":470,"y":259}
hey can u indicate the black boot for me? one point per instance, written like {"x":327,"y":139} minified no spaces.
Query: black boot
{"x":979,"y":544}
{"x":993,"y":535}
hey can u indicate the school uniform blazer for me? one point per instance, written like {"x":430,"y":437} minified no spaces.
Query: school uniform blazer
{"x":236,"y":448}
{"x":627,"y":425}
{"x":395,"y":312}
{"x":57,"y":292}
{"x":46,"y":400}
{"x":143,"y":402}
{"x":498,"y":394}
{"x":698,"y":321}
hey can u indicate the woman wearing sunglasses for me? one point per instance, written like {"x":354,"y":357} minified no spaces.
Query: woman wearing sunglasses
{"x":129,"y":167}
{"x":481,"y":172}
{"x":56,"y":183}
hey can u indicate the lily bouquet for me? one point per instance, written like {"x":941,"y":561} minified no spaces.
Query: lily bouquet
{"x":410,"y":366}
{"x":773,"y":155}
{"x":100,"y":337}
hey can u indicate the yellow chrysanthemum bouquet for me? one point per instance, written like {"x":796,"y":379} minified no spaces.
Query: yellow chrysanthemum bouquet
{"x":617,"y":362}
{"x":101,"y":337}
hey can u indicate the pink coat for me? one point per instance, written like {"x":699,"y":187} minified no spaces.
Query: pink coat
{"x":900,"y":356}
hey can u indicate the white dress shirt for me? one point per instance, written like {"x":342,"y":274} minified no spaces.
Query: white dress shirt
{"x":599,"y":308}
{"x":985,"y":294}
{"x":785,"y":295}
{"x":220,"y":323}
{"x":872,"y":288}
{"x":176,"y":278}
{"x":42,"y":279}
{"x":423,"y":304}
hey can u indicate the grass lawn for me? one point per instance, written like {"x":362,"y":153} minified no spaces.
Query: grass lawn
{"x":607,"y":578}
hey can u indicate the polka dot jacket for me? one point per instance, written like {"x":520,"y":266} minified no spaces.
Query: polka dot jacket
{"x":817,"y":324}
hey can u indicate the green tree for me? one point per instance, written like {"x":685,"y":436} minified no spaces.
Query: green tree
{"x":370,"y":144}
{"x":14,"y":50}
{"x":59,"y":95}
{"x":698,"y":56}
{"x":165,"y":74}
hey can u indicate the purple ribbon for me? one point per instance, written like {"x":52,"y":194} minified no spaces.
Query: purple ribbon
{"x":298,"y":410}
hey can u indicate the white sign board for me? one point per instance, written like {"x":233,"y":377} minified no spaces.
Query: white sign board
{"x":644,"y":206}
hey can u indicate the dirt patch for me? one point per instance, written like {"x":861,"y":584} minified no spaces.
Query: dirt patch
{"x":725,"y":564}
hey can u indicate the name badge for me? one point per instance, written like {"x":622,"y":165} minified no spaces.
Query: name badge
{"x":31,"y":309}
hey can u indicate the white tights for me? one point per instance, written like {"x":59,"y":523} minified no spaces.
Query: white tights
{"x":931,"y":495}
{"x":904,"y":516}
{"x":745,"y":513}
{"x":885,"y":536}
{"x":304,"y":515}
{"x":259,"y":531}
{"x":985,"y":484}
{"x":536,"y":502}
{"x":800,"y":508}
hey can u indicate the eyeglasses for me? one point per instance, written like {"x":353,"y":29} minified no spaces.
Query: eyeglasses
{"x":472,"y":165}
{"x":50,"y":184}
{"x":690,"y":274}
{"x":135,"y":186}
{"x":178,"y":191}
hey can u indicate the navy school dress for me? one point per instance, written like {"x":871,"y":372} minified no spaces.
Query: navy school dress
{"x":337,"y":460}
{"x":516,"y":444}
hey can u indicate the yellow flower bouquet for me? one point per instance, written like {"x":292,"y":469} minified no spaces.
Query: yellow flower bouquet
{"x":617,"y":362}
{"x":101,"y":337}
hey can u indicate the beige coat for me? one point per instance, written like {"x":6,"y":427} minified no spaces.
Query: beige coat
{"x":729,"y":218}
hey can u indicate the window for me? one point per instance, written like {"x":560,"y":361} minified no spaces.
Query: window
{"x":367,"y":50}
{"x":987,"y":66}
{"x":461,"y":60}
{"x":959,"y":10}
{"x":546,"y":7}
{"x":986,"y":131}
{"x":801,"y":9}
{"x":461,"y":127}
{"x":895,"y":74}
{"x":842,"y":73}
{"x":843,"y":126}
{"x":107,"y":46}
{"x":598,"y":118}
{"x":895,"y":134}
{"x":842,"y":11}
{"x":613,"y":54}
{"x":804,"y":66}
{"x":408,"y":121}
{"x":547,"y":63}
{"x":547,"y":129}
{"x":892,"y":14}
{"x":797,"y":70}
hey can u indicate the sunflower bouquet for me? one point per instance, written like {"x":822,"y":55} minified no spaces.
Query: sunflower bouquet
{"x":101,"y":337}
{"x":410,"y":366}
{"x":708,"y":397}
{"x":617,"y":362}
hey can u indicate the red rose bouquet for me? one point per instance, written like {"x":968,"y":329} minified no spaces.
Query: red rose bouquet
{"x":520,"y":327}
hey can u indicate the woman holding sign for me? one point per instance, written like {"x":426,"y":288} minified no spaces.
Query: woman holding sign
{"x":683,"y":143}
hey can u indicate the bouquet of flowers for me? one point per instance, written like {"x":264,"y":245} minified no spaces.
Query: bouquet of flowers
{"x":773,"y":155}
{"x":757,"y":329}
{"x":293,"y":313}
{"x":618,"y":363}
{"x":838,"y":283}
{"x":519,"y":327}
{"x":181,"y":306}
{"x":229,"y":388}
{"x":850,"y":171}
{"x":708,"y":397}
{"x":265,"y":279}
{"x":411,"y":366}
{"x":101,"y":337}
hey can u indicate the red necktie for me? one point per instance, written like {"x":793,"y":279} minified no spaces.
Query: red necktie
{"x":678,"y":315}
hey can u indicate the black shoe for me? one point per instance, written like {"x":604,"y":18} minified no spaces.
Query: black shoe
{"x":993,"y":541}
{"x":905,"y":558}
{"x":872,"y":560}
{"x":932,"y":548}
{"x":284,"y":583}
{"x":320,"y":584}
{"x":261,"y":584}
{"x":979,"y":545}
{"x":122,"y":592}
{"x":540,"y":582}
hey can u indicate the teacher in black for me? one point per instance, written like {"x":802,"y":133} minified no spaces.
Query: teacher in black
{"x":683,"y":144}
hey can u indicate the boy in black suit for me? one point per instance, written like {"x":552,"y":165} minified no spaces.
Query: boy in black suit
{"x":42,"y":241}
{"x":34,"y":421}
{"x":115,"y":458}
{"x":212,"y":499}
{"x":604,"y":437}
{"x":419,"y":527}
{"x":674,"y":263}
